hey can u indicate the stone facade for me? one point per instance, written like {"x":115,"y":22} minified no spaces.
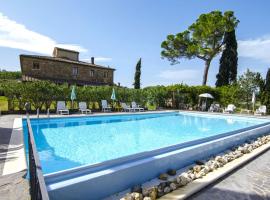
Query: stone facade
{"x":64,"y":67}
{"x":67,"y":54}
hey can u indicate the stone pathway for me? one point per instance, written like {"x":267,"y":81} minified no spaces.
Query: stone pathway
{"x":251,"y":182}
{"x":13,"y":186}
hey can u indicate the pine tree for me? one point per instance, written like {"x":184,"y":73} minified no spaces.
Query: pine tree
{"x":228,"y":62}
{"x":137,"y":77}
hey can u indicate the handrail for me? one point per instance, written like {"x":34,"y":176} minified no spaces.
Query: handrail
{"x":37,"y":184}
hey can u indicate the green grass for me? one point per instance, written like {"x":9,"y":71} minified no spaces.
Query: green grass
{"x":3,"y":103}
{"x":151,"y":107}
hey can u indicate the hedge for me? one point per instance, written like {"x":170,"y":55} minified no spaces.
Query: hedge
{"x":45,"y":94}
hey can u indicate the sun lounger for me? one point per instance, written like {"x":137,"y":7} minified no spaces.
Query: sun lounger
{"x":136,"y":107}
{"x":83,"y":108}
{"x":105,"y":106}
{"x":61,"y":108}
{"x":230,"y":109}
{"x":261,"y":110}
{"x":126,"y":108}
{"x":214,"y":108}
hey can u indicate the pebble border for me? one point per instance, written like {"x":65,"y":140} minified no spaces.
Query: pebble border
{"x":199,"y":170}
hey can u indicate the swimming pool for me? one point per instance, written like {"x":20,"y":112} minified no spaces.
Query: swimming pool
{"x":71,"y":142}
{"x":83,"y":155}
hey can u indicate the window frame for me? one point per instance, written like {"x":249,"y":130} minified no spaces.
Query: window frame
{"x":105,"y":74}
{"x":92,"y":73}
{"x":35,"y":66}
{"x":75,"y":69}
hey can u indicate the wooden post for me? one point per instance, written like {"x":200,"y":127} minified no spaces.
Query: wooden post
{"x":173,"y":100}
{"x":48,"y":112}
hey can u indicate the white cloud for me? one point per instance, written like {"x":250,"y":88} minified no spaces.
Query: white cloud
{"x":188,"y":76}
{"x":258,"y":49}
{"x":99,"y":59}
{"x":103,"y":59}
{"x":17,"y":36}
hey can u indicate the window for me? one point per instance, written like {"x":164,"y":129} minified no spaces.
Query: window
{"x":105,"y":75}
{"x":75,"y":71}
{"x":92,"y":73}
{"x":35,"y":66}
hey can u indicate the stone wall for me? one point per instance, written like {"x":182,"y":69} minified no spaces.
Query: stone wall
{"x":64,"y":53}
{"x":60,"y":71}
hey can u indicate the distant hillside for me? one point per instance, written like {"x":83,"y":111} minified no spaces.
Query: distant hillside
{"x":7,"y":75}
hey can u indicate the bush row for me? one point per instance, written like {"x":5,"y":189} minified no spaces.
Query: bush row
{"x":44,"y":94}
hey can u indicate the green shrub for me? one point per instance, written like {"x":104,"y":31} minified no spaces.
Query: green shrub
{"x":45,"y":94}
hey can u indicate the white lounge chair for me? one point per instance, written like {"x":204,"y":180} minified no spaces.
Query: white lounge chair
{"x":230,"y":109}
{"x":126,"y":108}
{"x":83,"y":108}
{"x":261,"y":110}
{"x":61,"y":108}
{"x":214,"y":108}
{"x":105,"y":106}
{"x":136,"y":107}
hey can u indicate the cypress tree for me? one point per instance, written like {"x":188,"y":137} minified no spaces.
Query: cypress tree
{"x":228,"y":62}
{"x":267,"y":81}
{"x":137,"y":77}
{"x":265,"y":94}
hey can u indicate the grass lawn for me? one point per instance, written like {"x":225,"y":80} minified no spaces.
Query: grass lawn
{"x":3,"y":103}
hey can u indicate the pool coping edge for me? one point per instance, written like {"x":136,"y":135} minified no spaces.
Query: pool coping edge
{"x":198,"y":184}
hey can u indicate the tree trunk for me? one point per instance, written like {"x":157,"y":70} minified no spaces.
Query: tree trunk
{"x":205,"y":73}
{"x":247,"y":103}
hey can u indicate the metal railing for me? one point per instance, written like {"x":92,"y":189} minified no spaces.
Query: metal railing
{"x":37,"y":184}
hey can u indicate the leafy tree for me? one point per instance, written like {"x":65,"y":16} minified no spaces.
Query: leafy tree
{"x":229,"y":94}
{"x":137,"y":78}
{"x":156,"y":95}
{"x":7,"y":75}
{"x":202,"y":40}
{"x":11,"y":89}
{"x":249,"y":82}
{"x":228,"y":61}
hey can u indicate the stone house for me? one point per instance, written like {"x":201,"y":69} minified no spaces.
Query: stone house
{"x":65,"y":67}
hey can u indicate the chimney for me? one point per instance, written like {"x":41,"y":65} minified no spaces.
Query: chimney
{"x":93,"y":60}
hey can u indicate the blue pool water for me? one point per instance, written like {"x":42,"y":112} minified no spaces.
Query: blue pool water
{"x":65,"y":143}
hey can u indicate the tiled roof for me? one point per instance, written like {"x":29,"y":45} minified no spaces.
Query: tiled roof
{"x":66,"y":60}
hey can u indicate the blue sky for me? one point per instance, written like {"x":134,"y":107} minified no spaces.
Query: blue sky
{"x":119,"y":32}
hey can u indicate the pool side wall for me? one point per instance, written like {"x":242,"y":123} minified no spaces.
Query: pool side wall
{"x":105,"y":182}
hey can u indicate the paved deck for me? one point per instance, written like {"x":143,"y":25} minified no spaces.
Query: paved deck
{"x":251,"y":182}
{"x":13,"y":186}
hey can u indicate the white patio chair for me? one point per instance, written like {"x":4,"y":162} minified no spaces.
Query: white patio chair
{"x":212,"y":108}
{"x":126,"y":108}
{"x":105,"y":106}
{"x":61,"y":108}
{"x":261,"y":110}
{"x":230,"y":109}
{"x":136,"y":107}
{"x":83,"y":108}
